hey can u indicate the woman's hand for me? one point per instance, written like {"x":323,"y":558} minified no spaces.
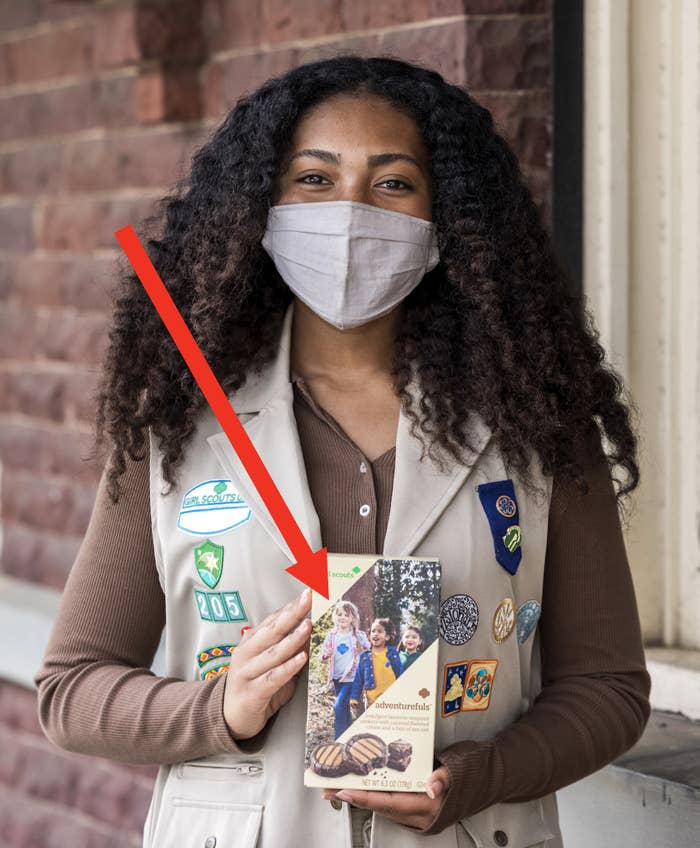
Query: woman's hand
{"x":412,"y":809}
{"x":262,"y":674}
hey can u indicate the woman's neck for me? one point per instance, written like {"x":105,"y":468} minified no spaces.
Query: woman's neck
{"x":321,"y":351}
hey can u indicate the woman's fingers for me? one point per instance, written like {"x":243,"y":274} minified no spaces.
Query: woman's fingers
{"x":277,"y":653}
{"x":268,"y":684}
{"x":275,"y":627}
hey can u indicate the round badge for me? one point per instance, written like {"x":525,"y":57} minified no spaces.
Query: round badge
{"x":503,"y":620}
{"x":506,"y":506}
{"x":526,"y":619}
{"x":459,"y":618}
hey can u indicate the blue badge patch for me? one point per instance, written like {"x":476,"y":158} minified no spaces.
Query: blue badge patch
{"x":459,"y":618}
{"x":219,"y":606}
{"x":526,"y":619}
{"x":501,"y":508}
{"x":211,"y":508}
{"x":454,"y":679}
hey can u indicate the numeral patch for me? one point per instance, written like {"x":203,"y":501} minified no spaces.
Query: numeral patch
{"x":219,"y":606}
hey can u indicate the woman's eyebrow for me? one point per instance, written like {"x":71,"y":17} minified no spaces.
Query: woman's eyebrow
{"x":373,"y":161}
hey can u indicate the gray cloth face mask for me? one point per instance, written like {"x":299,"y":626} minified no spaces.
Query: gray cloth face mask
{"x":349,"y":262}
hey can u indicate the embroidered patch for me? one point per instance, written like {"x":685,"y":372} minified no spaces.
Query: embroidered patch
{"x":219,"y":606}
{"x":209,"y":561}
{"x":503,"y":620}
{"x":459,"y":618}
{"x":467,"y":686}
{"x":211,"y":508}
{"x":454,"y":678}
{"x":214,"y":661}
{"x":501,"y":508}
{"x":526,"y":620}
{"x":477,"y":693}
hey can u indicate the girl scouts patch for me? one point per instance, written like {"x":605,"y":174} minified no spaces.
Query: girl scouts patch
{"x":214,"y":661}
{"x":209,"y":560}
{"x":459,"y":618}
{"x":211,"y":508}
{"x":503,"y":620}
{"x":501,"y":508}
{"x":467,"y":686}
{"x":527,"y":617}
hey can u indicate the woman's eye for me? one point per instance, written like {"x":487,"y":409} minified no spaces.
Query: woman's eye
{"x":308,"y":176}
{"x":398,"y":184}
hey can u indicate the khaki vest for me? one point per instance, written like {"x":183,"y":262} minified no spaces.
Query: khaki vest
{"x":246,"y":800}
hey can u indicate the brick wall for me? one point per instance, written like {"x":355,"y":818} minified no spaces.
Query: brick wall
{"x":101,"y":103}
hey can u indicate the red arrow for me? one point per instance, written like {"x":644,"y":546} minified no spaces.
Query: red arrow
{"x":311,"y":568}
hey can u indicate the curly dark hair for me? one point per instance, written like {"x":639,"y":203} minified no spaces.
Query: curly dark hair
{"x":493,"y":329}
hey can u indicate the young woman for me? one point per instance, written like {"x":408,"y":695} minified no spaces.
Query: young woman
{"x":366,"y":272}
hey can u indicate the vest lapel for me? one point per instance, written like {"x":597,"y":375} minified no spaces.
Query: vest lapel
{"x":421,"y":491}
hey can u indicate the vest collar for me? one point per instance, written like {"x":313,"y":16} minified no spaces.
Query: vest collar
{"x":421,"y":489}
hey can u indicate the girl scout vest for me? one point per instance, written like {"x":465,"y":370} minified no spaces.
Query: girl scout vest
{"x":221,"y":563}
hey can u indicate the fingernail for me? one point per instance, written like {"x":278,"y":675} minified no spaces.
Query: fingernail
{"x":429,"y":792}
{"x":302,"y":626}
{"x":304,"y":597}
{"x":344,"y":795}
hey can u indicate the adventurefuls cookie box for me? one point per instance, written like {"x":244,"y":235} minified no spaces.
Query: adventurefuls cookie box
{"x":373,"y":665}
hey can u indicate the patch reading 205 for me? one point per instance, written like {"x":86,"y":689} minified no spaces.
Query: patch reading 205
{"x":219,"y":606}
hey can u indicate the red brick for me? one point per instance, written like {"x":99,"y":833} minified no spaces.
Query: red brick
{"x":116,"y":38}
{"x":56,"y":504}
{"x":524,"y":120}
{"x":46,"y":56}
{"x":106,"y":102}
{"x":445,"y":8}
{"x":16,"y":226}
{"x":18,"y":708}
{"x":19,"y":15}
{"x":364,"y":16}
{"x":61,"y":335}
{"x":48,"y":450}
{"x":32,"y":170}
{"x":82,"y":282}
{"x":144,"y":160}
{"x":440,"y":47}
{"x":170,"y":31}
{"x":84,"y":224}
{"x":29,"y":823}
{"x":56,"y":396}
{"x":508,"y":53}
{"x":507,"y":7}
{"x":224,"y":82}
{"x":38,"y":556}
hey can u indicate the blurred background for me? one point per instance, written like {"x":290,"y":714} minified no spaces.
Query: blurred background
{"x":102,"y":102}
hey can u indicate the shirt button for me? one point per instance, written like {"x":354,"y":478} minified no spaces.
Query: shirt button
{"x":364,"y":510}
{"x":337,"y":804}
{"x":363,"y":468}
{"x":500,"y":838}
{"x":210,"y":842}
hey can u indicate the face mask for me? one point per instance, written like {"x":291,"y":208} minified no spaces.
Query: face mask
{"x":349,"y":262}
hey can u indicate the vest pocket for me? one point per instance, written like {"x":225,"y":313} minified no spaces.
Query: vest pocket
{"x":511,"y":825}
{"x":191,"y":823}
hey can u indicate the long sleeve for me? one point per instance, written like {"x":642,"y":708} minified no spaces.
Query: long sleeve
{"x":96,"y":694}
{"x":594,"y":701}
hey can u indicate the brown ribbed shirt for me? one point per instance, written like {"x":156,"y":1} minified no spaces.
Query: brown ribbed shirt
{"x":98,"y":696}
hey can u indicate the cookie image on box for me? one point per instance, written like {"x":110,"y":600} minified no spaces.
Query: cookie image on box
{"x":328,"y":760}
{"x":365,"y":753}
